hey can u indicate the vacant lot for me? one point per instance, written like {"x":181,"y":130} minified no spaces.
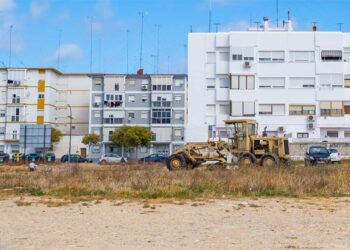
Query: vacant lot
{"x":79,"y":182}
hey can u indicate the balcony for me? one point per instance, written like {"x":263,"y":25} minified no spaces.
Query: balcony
{"x":9,"y":137}
{"x":113,"y":104}
{"x":112,"y":120}
{"x":333,"y":121}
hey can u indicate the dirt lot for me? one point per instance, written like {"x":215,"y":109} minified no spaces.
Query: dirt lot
{"x":263,"y":223}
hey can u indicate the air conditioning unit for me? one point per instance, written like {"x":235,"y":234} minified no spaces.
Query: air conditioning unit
{"x":311,"y":126}
{"x":311,"y":118}
{"x":280,"y":129}
{"x":247,"y":64}
{"x":144,"y":87}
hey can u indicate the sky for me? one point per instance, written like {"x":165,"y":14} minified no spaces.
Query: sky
{"x":39,"y":25}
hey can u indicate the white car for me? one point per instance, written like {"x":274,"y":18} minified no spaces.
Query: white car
{"x":111,"y":158}
{"x":334,"y":155}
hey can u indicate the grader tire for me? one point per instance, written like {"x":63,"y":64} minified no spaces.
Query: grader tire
{"x":247,"y":160}
{"x":176,"y":162}
{"x":269,"y":160}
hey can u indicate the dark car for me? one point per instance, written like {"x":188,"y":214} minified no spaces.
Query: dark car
{"x":50,"y":157}
{"x":153,"y":158}
{"x":74,"y":158}
{"x":33,"y":157}
{"x":4,"y":157}
{"x":317,"y":154}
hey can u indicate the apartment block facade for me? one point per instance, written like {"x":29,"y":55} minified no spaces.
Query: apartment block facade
{"x":154,"y":101}
{"x":295,"y":84}
{"x":41,"y":96}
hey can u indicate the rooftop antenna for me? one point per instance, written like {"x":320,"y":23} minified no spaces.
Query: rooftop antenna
{"x":210,"y":6}
{"x":157,"y":27}
{"x":154,"y":63}
{"x":10,"y":54}
{"x":141,"y":13}
{"x":59,"y":49}
{"x":127,"y":51}
{"x":100,"y":55}
{"x":217,"y":27}
{"x":340,"y":26}
{"x":91,"y":18}
{"x":314,"y":26}
{"x":257,"y":25}
{"x":277,"y":13}
{"x":191,"y":30}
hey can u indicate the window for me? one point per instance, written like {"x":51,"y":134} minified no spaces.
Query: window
{"x":178,"y":132}
{"x":178,"y":98}
{"x":331,"y":108}
{"x":302,"y":135}
{"x":332,"y":134}
{"x":179,"y":82}
{"x":301,"y":82}
{"x":271,"y":109}
{"x":41,"y":96}
{"x":243,"y":109}
{"x":223,"y":83}
{"x":162,"y":102}
{"x":97,"y":101}
{"x":347,"y":108}
{"x":346,"y":81}
{"x":242,"y":82}
{"x":224,"y":56}
{"x":271,"y":56}
{"x":131,"y":115}
{"x":161,"y":87}
{"x":242,"y":53}
{"x":116,"y":87}
{"x":302,"y":109}
{"x":2,"y":113}
{"x":276,"y":82}
{"x":144,"y":115}
{"x":131,"y":98}
{"x":210,"y":109}
{"x":211,"y":57}
{"x":132,"y":81}
{"x":224,"y":109}
{"x":97,"y":114}
{"x":331,"y":55}
{"x":178,"y":115}
{"x":144,"y":98}
{"x":161,"y":116}
{"x":2,"y":131}
{"x":347,"y":134}
{"x":98,"y":81}
{"x":210,"y":83}
{"x":330,"y":80}
{"x":301,"y":56}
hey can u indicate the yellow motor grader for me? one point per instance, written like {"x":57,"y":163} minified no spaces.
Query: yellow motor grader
{"x":243,"y":147}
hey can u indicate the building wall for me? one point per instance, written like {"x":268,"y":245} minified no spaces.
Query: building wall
{"x":211,"y":58}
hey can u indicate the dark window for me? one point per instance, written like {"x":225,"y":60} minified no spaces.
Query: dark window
{"x":331,"y":55}
{"x":237,"y":57}
{"x":302,"y":135}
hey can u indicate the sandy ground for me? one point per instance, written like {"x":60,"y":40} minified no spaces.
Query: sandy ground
{"x":277,"y":223}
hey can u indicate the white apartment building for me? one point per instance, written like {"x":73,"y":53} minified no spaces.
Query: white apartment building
{"x":41,"y":96}
{"x":292,"y":83}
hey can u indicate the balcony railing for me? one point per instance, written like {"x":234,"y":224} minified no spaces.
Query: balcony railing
{"x":113,"y":120}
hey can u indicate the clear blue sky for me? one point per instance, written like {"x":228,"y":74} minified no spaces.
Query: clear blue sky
{"x":36,"y":25}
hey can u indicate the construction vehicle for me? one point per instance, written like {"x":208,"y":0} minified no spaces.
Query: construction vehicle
{"x":243,"y":147}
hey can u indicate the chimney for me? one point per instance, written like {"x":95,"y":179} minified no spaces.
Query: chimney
{"x":314,"y":27}
{"x":266,"y":23}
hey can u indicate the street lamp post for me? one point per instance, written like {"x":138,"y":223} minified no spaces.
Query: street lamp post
{"x":70,"y":132}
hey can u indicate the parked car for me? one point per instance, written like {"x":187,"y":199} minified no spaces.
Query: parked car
{"x":153,"y":158}
{"x":50,"y":156}
{"x":111,"y":158}
{"x":335,"y":155}
{"x":33,"y":157}
{"x":317,"y":154}
{"x":74,"y":158}
{"x":4,"y":157}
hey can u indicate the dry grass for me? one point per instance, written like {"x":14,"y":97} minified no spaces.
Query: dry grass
{"x":92,"y":182}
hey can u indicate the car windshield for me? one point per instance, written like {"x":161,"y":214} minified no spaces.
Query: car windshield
{"x":318,"y":150}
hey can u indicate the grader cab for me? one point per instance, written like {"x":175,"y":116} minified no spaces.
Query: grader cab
{"x":243,"y":146}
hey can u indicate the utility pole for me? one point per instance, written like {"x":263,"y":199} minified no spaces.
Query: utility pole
{"x":127,"y":51}
{"x":59,"y":49}
{"x":141,"y":44}
{"x":157,"y":27}
{"x":70,"y":132}
{"x":91,"y":18}
{"x":10,"y":54}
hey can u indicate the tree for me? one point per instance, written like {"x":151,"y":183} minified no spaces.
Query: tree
{"x":91,"y":139}
{"x":56,"y":135}
{"x":132,"y":136}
